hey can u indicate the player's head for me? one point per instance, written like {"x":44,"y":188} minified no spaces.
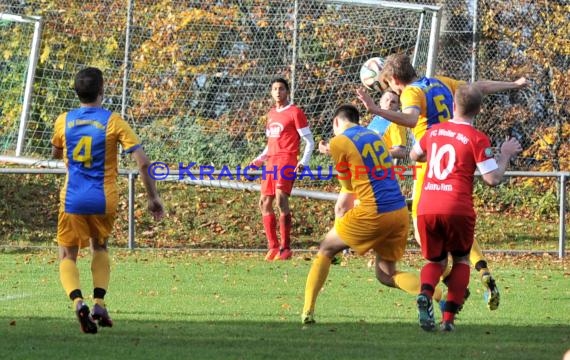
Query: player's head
{"x":89,"y":85}
{"x":398,"y":72}
{"x":467,"y":101}
{"x":345,"y":115}
{"x":280,"y":90}
{"x":390,"y":101}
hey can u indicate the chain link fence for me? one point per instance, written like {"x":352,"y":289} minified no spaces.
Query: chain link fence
{"x":193,"y":77}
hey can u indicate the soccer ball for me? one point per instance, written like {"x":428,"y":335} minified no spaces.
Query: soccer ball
{"x":370,"y":74}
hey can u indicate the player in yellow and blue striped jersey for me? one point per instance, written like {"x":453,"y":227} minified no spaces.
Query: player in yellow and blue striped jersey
{"x":87,"y":138}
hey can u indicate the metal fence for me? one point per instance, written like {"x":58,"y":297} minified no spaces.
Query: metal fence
{"x":192,"y":76}
{"x":53,"y":167}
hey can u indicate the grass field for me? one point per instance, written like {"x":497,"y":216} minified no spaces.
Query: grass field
{"x":183,"y":305}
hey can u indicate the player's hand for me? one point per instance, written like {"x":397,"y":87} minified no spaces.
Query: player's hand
{"x":299,"y":168}
{"x":521,"y":83}
{"x":256,"y":163}
{"x":511,"y":147}
{"x":366,"y":99}
{"x":324,"y":147}
{"x":156,"y":208}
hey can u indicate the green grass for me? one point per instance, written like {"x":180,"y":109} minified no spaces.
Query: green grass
{"x":173,"y":305}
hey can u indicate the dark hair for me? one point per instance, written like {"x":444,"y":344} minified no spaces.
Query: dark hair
{"x":282,"y":81}
{"x":88,"y":84}
{"x":400,"y":67}
{"x":348,"y":112}
{"x":468,"y":100}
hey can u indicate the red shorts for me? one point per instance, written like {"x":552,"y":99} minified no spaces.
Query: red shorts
{"x":442,"y":234}
{"x":279,"y":175}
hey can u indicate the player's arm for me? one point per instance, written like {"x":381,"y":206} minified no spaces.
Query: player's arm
{"x":491,"y":86}
{"x":398,"y":152}
{"x":324,"y":148}
{"x":418,"y":153}
{"x":408,"y":117}
{"x":307,"y":136}
{"x":57,"y":139}
{"x":510,"y":148}
{"x":398,"y":140}
{"x":260,"y":159}
{"x":154,"y":203}
{"x":56,"y":152}
{"x":132,"y":145}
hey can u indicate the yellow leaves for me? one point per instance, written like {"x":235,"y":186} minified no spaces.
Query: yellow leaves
{"x":7,"y":54}
{"x":111,"y":45}
{"x":44,"y":56}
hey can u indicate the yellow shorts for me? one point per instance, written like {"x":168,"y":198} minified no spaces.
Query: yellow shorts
{"x":418,"y":184}
{"x":386,"y":233}
{"x":76,"y":230}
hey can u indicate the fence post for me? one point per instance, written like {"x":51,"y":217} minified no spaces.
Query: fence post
{"x":562,"y":217}
{"x":132,"y":179}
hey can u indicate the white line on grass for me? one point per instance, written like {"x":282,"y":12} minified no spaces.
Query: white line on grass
{"x":14,"y":297}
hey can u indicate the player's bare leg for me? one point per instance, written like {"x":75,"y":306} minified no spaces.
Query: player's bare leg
{"x":101,"y":273}
{"x":284,"y":225}
{"x":319,"y":272}
{"x":388,"y":274}
{"x":269,"y":225}
{"x":69,"y":276}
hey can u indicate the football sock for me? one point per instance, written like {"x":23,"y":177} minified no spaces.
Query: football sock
{"x":408,"y":282}
{"x":315,"y":280}
{"x":476,"y":256}
{"x":446,"y":272}
{"x":430,"y":274}
{"x":285,"y":230}
{"x":69,"y":277}
{"x":101,"y":271}
{"x":456,"y":284}
{"x":270,"y":226}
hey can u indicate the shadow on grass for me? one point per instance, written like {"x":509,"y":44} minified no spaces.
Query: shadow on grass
{"x":50,"y":338}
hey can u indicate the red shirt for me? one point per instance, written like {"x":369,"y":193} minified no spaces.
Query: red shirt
{"x":281,"y":130}
{"x":454,"y":151}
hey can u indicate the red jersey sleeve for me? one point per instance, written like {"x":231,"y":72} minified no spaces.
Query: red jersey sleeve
{"x":483,"y":153}
{"x":300,"y":119}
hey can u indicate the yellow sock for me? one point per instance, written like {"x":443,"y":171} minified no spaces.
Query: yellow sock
{"x":447,"y":271}
{"x":476,"y":253}
{"x":410,"y":283}
{"x":437,"y":293}
{"x":69,"y":276}
{"x":315,"y":280}
{"x":101,"y":272}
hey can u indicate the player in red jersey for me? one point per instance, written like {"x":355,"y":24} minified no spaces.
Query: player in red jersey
{"x":446,"y":216}
{"x":286,"y":125}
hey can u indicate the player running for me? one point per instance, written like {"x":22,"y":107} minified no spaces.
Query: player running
{"x":380,"y":222}
{"x":446,"y":217}
{"x":87,"y":139}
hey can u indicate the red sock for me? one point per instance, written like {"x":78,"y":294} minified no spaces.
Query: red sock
{"x":270,"y":226}
{"x":285,"y":230}
{"x":430,"y":274}
{"x":457,"y":282}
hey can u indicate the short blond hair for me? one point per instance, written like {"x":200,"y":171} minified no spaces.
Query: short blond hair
{"x":468,"y":99}
{"x":400,"y":67}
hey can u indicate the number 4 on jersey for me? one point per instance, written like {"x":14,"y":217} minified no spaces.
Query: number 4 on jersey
{"x":82,"y":151}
